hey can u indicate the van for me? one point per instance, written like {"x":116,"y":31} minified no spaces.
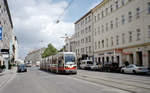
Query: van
{"x":86,"y":64}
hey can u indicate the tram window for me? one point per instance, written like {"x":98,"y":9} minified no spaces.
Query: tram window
{"x":69,"y":58}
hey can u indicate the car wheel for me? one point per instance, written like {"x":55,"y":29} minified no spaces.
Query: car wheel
{"x":134,"y":71}
{"x":122,"y":71}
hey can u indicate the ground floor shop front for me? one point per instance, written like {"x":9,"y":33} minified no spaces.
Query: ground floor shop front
{"x":134,"y":55}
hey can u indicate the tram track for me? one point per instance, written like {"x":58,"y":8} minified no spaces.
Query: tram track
{"x":115,"y":84}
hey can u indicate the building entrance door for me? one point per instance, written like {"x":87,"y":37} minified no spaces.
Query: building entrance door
{"x":139,"y":58}
{"x":107,"y":59}
{"x":112,"y":59}
{"x":118,"y":59}
{"x":131,"y":58}
{"x":99,"y":60}
{"x":103,"y":59}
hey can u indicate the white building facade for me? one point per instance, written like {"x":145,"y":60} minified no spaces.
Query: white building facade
{"x":122,"y":31}
{"x":83,"y":36}
{"x":70,"y":44}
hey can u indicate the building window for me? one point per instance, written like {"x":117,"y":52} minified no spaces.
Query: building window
{"x":95,"y":32}
{"x":86,"y":49}
{"x":117,"y":22}
{"x":86,"y":39}
{"x":130,"y":16}
{"x":103,"y":43}
{"x":123,"y":2}
{"x":111,"y":8}
{"x":117,"y":40}
{"x":102,"y":14}
{"x":138,"y":34}
{"x":107,"y":42}
{"x":112,"y":42}
{"x":111,"y":24}
{"x":89,"y":38}
{"x":117,"y":5}
{"x":149,"y":31}
{"x":98,"y":44}
{"x":95,"y":18}
{"x":137,"y":12}
{"x":149,"y":7}
{"x":123,"y":38}
{"x":89,"y":28}
{"x":123,"y":19}
{"x":98,"y":15}
{"x":130,"y":0}
{"x":106,"y":26}
{"x":130,"y":36}
{"x":90,"y":49}
{"x":95,"y":45}
{"x":99,"y":30}
{"x":102,"y":28}
{"x":106,"y":11}
{"x":85,"y":20}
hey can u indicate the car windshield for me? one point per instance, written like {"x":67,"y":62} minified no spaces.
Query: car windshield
{"x":69,"y":58}
{"x":89,"y":62}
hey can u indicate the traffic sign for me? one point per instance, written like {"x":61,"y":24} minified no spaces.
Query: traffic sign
{"x":0,"y":33}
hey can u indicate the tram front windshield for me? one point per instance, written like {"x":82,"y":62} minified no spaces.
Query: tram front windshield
{"x":69,"y":58}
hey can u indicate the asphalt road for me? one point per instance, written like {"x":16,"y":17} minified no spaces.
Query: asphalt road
{"x":37,"y":81}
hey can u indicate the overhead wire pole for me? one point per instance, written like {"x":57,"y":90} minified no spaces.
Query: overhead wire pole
{"x":61,"y":15}
{"x":65,"y":37}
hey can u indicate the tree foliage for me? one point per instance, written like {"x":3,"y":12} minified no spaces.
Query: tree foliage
{"x":62,"y":49}
{"x":50,"y":50}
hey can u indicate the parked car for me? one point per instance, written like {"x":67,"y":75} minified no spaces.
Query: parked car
{"x":21,"y":68}
{"x":94,"y":66}
{"x":134,"y":69}
{"x":86,"y":64}
{"x":28,"y":64}
{"x":111,"y":67}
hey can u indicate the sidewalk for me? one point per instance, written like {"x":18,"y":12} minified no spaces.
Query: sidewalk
{"x":7,"y":75}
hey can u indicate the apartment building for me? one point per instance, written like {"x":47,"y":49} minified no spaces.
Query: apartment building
{"x":6,"y":25}
{"x":70,"y":44}
{"x":34,"y":56}
{"x":121,"y":31}
{"x":83,"y":36}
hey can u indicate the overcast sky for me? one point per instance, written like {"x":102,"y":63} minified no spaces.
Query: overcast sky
{"x":35,"y":21}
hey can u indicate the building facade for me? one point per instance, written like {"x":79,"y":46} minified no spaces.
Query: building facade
{"x":70,"y":44}
{"x":6,"y":25}
{"x":34,"y":56}
{"x":83,"y":36}
{"x":116,"y":31}
{"x":122,"y":31}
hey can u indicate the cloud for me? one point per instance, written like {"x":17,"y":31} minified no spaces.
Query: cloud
{"x":35,"y":21}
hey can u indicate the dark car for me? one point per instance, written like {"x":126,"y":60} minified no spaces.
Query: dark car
{"x":22,"y":68}
{"x":111,"y":67}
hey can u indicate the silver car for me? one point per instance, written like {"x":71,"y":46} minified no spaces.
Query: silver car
{"x":134,"y":69}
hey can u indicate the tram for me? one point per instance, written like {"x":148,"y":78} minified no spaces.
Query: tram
{"x":63,"y":62}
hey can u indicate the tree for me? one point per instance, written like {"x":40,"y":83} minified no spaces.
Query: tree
{"x":62,"y":49}
{"x":50,"y":50}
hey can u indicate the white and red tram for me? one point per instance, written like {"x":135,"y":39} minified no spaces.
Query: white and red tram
{"x":63,"y":62}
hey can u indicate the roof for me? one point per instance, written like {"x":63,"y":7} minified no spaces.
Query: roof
{"x":83,"y":16}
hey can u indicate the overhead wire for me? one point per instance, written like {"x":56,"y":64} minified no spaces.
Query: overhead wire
{"x":61,"y":15}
